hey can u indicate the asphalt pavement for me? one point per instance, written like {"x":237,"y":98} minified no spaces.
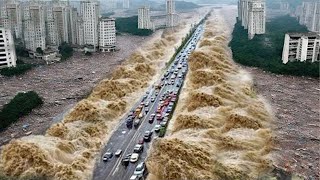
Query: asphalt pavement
{"x":125,"y":138}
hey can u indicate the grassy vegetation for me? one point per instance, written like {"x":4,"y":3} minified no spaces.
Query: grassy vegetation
{"x":265,"y":51}
{"x":21,"y":105}
{"x":130,"y":25}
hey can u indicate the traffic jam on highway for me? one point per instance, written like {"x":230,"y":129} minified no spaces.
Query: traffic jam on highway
{"x":155,"y":110}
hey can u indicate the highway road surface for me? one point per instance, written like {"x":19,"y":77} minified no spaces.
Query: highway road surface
{"x":124,"y":138}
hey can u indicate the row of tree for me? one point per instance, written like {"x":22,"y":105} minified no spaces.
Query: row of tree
{"x":265,"y":51}
{"x":21,"y":105}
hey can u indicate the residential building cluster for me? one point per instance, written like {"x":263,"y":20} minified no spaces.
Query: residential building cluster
{"x":301,"y":47}
{"x":252,"y":14}
{"x":47,"y":24}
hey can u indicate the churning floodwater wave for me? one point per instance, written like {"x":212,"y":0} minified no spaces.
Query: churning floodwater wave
{"x":221,"y":128}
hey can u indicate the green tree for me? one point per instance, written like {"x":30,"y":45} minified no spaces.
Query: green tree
{"x":21,"y":51}
{"x":12,"y":71}
{"x":88,"y":53}
{"x":65,"y":50}
{"x":130,"y":25}
{"x":39,"y":50}
{"x":21,"y":105}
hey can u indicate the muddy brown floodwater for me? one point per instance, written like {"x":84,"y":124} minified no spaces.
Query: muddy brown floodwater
{"x":204,"y":141}
{"x":221,"y":128}
{"x":68,"y":149}
{"x":61,"y":85}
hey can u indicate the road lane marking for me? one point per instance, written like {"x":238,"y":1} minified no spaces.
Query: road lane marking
{"x":137,"y":133}
{"x":157,"y":101}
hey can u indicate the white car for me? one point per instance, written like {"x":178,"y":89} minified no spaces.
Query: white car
{"x":146,"y":104}
{"x":134,"y":177}
{"x":157,"y":128}
{"x":118,"y":153}
{"x":134,"y":157}
{"x":140,"y":169}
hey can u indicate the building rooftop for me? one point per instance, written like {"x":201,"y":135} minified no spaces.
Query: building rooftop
{"x":107,"y":19}
{"x":307,"y":34}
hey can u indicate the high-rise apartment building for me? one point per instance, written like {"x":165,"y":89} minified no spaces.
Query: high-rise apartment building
{"x":107,"y":34}
{"x":125,"y":4}
{"x":144,"y":19}
{"x":172,"y":17}
{"x":243,"y":13}
{"x":301,"y":47}
{"x":73,"y":26}
{"x":252,"y":14}
{"x":310,"y":15}
{"x":34,"y":26}
{"x":256,"y":18}
{"x":80,"y":31}
{"x":11,"y":17}
{"x":90,"y":11}
{"x":8,"y":56}
{"x":58,"y":23}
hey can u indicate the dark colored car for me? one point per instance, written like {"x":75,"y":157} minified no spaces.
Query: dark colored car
{"x":151,"y":119}
{"x":125,"y":161}
{"x":107,"y":156}
{"x":129,"y":122}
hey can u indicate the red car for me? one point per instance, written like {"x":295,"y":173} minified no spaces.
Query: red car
{"x":141,"y":141}
{"x":159,"y":117}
